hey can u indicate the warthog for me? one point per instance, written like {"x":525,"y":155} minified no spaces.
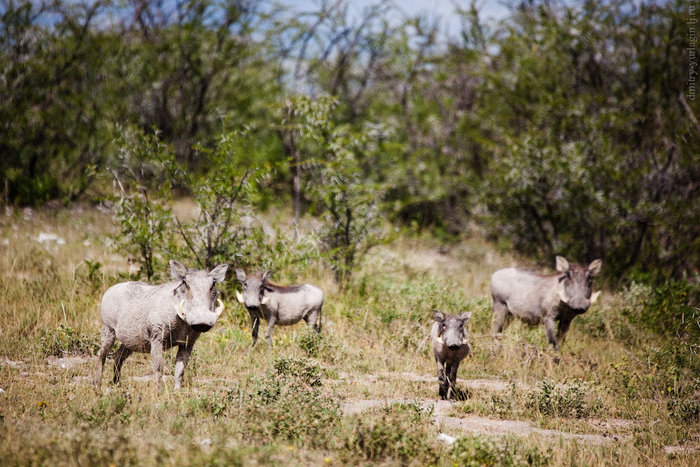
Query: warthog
{"x":536,"y":298}
{"x":450,"y":346}
{"x":278,"y":304}
{"x":151,"y":318}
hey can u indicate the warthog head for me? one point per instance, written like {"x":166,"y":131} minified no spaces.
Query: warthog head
{"x":451,"y":330}
{"x":577,"y":283}
{"x":196,"y":295}
{"x":253,"y":289}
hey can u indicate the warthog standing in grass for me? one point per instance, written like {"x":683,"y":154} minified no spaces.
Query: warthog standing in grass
{"x":278,"y":304}
{"x":450,"y":346}
{"x":151,"y":318}
{"x":536,"y":298}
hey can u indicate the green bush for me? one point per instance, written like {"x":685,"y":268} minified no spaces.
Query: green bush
{"x":64,"y":340}
{"x":563,"y":400}
{"x":480,"y":451}
{"x":401,"y":433}
{"x":109,"y":409}
{"x":684,"y":410}
{"x":288,"y":404}
{"x":672,"y":311}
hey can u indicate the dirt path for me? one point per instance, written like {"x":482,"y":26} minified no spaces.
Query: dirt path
{"x":484,"y":425}
{"x":483,"y":384}
{"x":441,"y":410}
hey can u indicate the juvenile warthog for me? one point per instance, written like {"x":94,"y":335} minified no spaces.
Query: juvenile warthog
{"x":537,"y":298}
{"x":150,"y":318}
{"x":278,"y":304}
{"x":450,"y":346}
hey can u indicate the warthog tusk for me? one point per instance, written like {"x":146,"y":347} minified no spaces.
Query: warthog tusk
{"x":265,"y":300}
{"x":563,"y":297}
{"x":239,"y":296}
{"x":595,"y":296}
{"x":220,"y":308}
{"x":181,"y":310}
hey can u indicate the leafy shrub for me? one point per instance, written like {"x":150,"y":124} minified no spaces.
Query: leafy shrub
{"x":563,"y":400}
{"x":310,"y":342}
{"x":289,"y":404}
{"x":504,"y":403}
{"x":672,"y":310}
{"x":306,"y":370}
{"x":684,"y":410}
{"x":400,"y":432}
{"x":65,"y":340}
{"x":108,"y":409}
{"x":478,"y":451}
{"x":82,"y":446}
{"x":214,"y":404}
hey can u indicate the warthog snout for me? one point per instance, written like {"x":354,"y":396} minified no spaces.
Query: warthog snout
{"x":201,"y":327}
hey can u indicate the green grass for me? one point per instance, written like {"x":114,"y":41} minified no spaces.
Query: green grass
{"x":284,"y":405}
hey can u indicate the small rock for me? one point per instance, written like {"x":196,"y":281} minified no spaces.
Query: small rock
{"x":45,"y":237}
{"x":206,"y":442}
{"x":13,"y":364}
{"x":447,"y":439}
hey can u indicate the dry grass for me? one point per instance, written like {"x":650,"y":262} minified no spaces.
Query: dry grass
{"x":261,"y":406}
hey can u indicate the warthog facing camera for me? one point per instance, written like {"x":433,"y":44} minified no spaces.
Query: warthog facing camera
{"x":536,"y":298}
{"x":278,"y":304}
{"x":151,"y":318}
{"x":450,"y":346}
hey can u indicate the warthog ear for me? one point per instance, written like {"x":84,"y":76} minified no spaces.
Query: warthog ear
{"x":177,"y":270}
{"x":562,"y":264}
{"x":438,"y":316}
{"x":465,"y":316}
{"x":219,"y":272}
{"x":266,"y":276}
{"x":240,"y":275}
{"x":595,"y":266}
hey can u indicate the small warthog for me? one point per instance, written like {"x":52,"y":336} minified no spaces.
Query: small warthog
{"x":278,"y":304}
{"x":450,"y":346}
{"x":536,"y":298}
{"x":151,"y":318}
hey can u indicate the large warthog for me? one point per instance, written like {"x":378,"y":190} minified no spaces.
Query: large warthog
{"x":536,"y":298}
{"x":283,"y":305}
{"x":151,"y":318}
{"x":450,"y":346}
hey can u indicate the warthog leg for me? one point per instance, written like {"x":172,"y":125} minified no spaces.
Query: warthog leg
{"x":254,"y":324}
{"x":562,"y":328}
{"x":549,"y":329}
{"x":107,"y":340}
{"x":183,"y":355}
{"x":121,"y":355}
{"x":500,"y":317}
{"x":270,"y":325}
{"x":313,"y":319}
{"x":442,"y":380}
{"x":157,"y":357}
